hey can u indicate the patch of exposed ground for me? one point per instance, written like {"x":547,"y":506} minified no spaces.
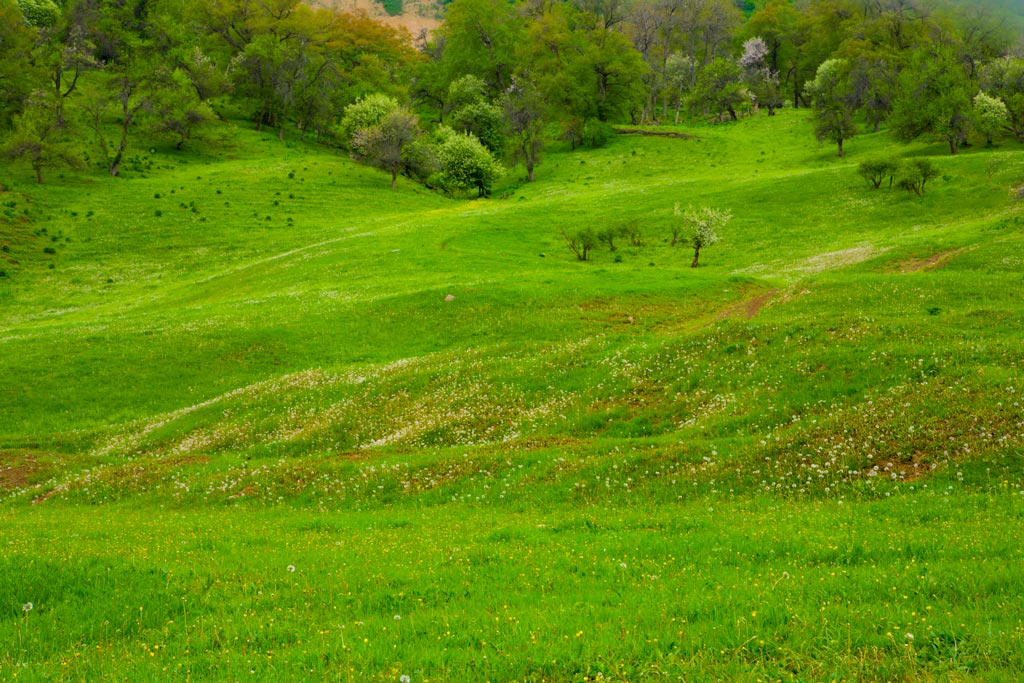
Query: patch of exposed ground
{"x":749,"y":308}
{"x":931,"y":263}
{"x":837,"y":259}
{"x":656,"y":133}
{"x":420,"y":17}
{"x":18,"y":470}
{"x":818,"y":263}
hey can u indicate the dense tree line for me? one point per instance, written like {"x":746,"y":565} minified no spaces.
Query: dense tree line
{"x":498,"y":79}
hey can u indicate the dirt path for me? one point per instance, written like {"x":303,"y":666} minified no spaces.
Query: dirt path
{"x":748,"y":308}
{"x":656,"y":133}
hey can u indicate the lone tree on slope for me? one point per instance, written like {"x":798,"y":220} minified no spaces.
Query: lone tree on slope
{"x":701,"y":226}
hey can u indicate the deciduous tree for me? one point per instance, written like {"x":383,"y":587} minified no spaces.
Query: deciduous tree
{"x":834,"y":102}
{"x":990,"y":115}
{"x":387,"y":144}
{"x":524,"y":117}
{"x":934,"y":99}
{"x":701,"y":227}
{"x":38,"y":139}
{"x":465,"y":164}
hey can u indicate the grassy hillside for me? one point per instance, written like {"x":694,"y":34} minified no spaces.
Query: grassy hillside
{"x":263,"y":418}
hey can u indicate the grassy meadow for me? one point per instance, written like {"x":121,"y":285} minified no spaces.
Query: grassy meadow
{"x":263,"y":419}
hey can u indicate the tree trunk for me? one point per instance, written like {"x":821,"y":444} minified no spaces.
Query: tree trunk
{"x":59,"y":103}
{"x":696,"y":255}
{"x":732,"y":113}
{"x":38,"y":166}
{"x":529,"y":171}
{"x":115,"y":165}
{"x":394,"y":178}
{"x":952,"y":146}
{"x":840,"y":142}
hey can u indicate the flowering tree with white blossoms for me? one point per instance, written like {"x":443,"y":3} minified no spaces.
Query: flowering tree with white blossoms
{"x":701,"y":227}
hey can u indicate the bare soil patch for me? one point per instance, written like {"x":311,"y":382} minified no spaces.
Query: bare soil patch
{"x":749,"y":308}
{"x":18,"y":470}
{"x":656,"y":133}
{"x":419,"y":18}
{"x":931,"y":263}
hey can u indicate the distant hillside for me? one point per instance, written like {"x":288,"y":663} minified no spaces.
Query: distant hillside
{"x":415,"y":16}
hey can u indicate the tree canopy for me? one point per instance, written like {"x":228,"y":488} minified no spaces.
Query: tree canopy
{"x":509,"y":75}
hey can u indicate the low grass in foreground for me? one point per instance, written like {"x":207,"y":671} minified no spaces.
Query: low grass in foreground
{"x":264,"y":419}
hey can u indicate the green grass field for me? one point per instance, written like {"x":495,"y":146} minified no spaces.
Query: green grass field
{"x":246,"y":433}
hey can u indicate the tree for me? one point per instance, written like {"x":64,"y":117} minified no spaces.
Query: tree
{"x":37,"y":138}
{"x":701,"y":227}
{"x":364,"y":113}
{"x":40,"y":13}
{"x":268,"y":73}
{"x":480,"y":38}
{"x":873,"y":83}
{"x":677,"y":81}
{"x":582,"y":70}
{"x":720,"y":88}
{"x":834,"y":102}
{"x":290,"y":62}
{"x":484,"y":120}
{"x":990,"y":115}
{"x":776,"y":23}
{"x":176,"y":110}
{"x":1004,"y":78}
{"x":762,"y":82}
{"x":124,"y":92}
{"x":465,"y":164}
{"x":387,"y":144}
{"x":524,"y":118}
{"x":934,"y":99}
{"x":16,"y":70}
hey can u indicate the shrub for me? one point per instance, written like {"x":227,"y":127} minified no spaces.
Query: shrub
{"x":875,"y":171}
{"x":915,"y":174}
{"x":597,"y":133}
{"x":631,"y":231}
{"x":609,"y":235}
{"x":580,"y":243}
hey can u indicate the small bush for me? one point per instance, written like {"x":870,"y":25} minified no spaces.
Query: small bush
{"x":631,"y":231}
{"x":49,"y":250}
{"x":580,"y":243}
{"x":609,"y":235}
{"x":915,"y":174}
{"x":875,"y":171}
{"x":597,"y":133}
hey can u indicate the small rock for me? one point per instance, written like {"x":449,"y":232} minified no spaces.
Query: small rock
{"x":450,"y":297}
